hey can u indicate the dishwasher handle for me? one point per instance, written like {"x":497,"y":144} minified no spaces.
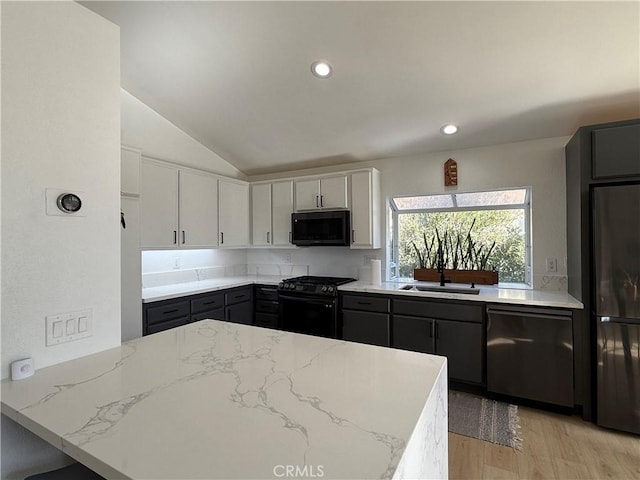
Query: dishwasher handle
{"x":548,"y":316}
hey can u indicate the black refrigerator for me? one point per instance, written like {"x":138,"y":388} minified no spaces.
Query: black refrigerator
{"x":616,"y":304}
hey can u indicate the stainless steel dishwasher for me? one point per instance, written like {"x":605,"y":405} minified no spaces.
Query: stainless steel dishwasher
{"x":530,"y":353}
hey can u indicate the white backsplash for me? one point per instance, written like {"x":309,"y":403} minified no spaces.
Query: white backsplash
{"x":552,"y":283}
{"x":329,"y":261}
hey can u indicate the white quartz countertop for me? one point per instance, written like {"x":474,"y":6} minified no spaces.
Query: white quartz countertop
{"x":488,"y":294}
{"x":218,"y":400}
{"x":176,"y":290}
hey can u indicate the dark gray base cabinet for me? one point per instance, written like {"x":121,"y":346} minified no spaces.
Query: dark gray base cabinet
{"x":365,"y":319}
{"x":460,"y":342}
{"x":452,"y":329}
{"x":365,"y":327}
{"x":266,"y":306}
{"x":233,"y":305}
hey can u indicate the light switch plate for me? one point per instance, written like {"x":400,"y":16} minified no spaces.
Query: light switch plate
{"x":66,"y":327}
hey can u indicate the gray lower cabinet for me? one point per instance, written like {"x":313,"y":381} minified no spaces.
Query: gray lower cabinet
{"x":266,"y":306}
{"x":454,"y":330}
{"x":239,"y":313}
{"x":160,"y":316}
{"x":232,"y":305}
{"x":366,"y":319}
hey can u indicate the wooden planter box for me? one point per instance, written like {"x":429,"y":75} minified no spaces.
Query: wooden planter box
{"x":481,"y":277}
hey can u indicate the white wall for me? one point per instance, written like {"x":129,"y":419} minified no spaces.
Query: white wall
{"x":537,"y":163}
{"x":148,"y":131}
{"x":60,"y":129}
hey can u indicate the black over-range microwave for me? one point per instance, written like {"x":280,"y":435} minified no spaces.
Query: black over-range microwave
{"x":325,"y":228}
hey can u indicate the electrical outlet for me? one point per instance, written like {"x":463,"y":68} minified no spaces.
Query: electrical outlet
{"x":552,"y":265}
{"x":177,"y":263}
{"x":287,"y":258}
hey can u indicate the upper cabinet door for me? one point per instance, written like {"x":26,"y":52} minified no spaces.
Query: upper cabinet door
{"x":616,"y":151}
{"x":198,"y":210}
{"x":327,"y":193}
{"x":365,"y":209}
{"x":261,"y":214}
{"x":158,"y":205}
{"x":307,"y":194}
{"x":282,"y":208}
{"x":233,"y":214}
{"x":129,"y":171}
{"x":333,"y":192}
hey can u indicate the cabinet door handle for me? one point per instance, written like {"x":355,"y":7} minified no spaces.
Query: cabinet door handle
{"x":183,"y":237}
{"x":209,"y":303}
{"x":353,"y":236}
{"x":221,"y":238}
{"x":239,"y":296}
{"x":364,"y":303}
{"x":175,"y":237}
{"x":317,"y":201}
{"x":170,"y":311}
{"x":268,"y":237}
{"x":322,"y":200}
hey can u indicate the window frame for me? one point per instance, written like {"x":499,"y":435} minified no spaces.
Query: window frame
{"x":394,"y":213}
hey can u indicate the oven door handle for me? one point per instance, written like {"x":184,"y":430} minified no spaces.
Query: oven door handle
{"x":320,"y":301}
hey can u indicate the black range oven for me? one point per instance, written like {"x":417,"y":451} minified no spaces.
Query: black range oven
{"x":310,"y":305}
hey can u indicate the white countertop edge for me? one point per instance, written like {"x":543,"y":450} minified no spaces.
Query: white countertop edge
{"x":177,"y":290}
{"x":488,"y":294}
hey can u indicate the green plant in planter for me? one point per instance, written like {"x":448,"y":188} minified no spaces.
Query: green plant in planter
{"x":459,"y":253}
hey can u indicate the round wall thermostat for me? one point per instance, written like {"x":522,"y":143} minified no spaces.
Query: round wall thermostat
{"x":69,"y":202}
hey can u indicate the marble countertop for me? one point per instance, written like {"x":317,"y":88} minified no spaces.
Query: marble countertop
{"x":488,"y":294}
{"x":218,"y":400}
{"x":176,"y":290}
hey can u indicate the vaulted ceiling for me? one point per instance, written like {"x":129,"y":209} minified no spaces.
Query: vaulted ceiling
{"x":236,"y":75}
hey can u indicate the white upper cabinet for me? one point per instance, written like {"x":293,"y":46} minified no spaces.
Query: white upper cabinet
{"x":178,"y":208}
{"x":365,"y":209}
{"x":327,"y":192}
{"x":233,"y":213}
{"x":198,"y":209}
{"x":281,"y":210}
{"x":129,"y":171}
{"x":261,"y":214}
{"x":158,"y":205}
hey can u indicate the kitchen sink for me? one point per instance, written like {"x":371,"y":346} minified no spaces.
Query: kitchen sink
{"x":445,"y":289}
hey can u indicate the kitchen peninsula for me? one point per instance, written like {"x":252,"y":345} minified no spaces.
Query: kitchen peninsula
{"x":218,"y":400}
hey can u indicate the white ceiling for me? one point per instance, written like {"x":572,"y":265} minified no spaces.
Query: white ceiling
{"x":236,"y":75}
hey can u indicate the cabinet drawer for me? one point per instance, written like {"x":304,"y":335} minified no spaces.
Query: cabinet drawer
{"x":267,"y":293}
{"x":167,"y":312}
{"x":216,"y":314}
{"x":208,"y":302}
{"x":237,"y":296}
{"x":266,"y":320}
{"x":159,"y":327}
{"x":447,"y":311}
{"x":369,"y":304}
{"x":266,"y":306}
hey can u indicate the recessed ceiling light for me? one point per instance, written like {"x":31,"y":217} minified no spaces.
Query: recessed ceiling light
{"x":449,"y":129}
{"x":321,"y":69}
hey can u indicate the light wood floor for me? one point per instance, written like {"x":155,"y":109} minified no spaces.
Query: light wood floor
{"x":554,"y":446}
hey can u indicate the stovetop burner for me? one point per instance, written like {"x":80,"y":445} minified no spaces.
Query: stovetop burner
{"x":313,"y":285}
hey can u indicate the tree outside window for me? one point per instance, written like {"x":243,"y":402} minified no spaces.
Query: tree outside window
{"x":499,"y":219}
